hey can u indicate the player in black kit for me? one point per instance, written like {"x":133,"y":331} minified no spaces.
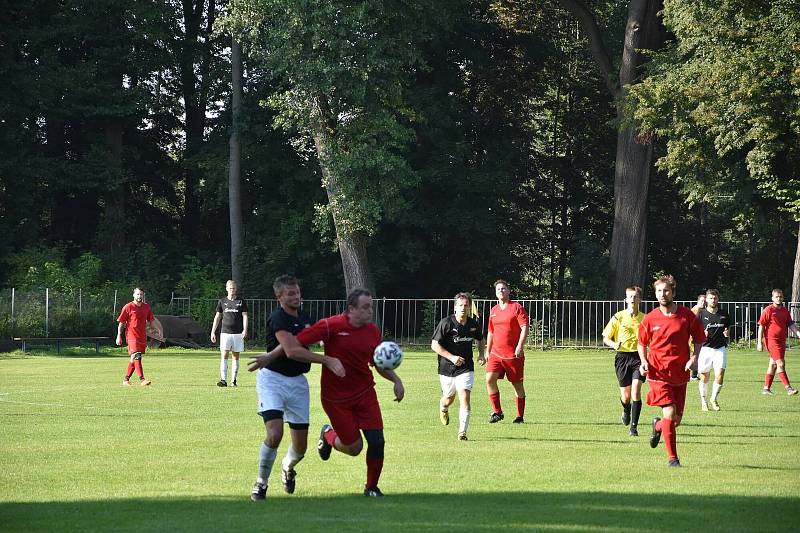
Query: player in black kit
{"x":716,"y":323}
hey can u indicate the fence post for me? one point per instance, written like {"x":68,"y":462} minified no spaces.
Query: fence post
{"x":13,"y":329}
{"x":114,"y":310}
{"x":80,"y":312}
{"x":47,"y":312}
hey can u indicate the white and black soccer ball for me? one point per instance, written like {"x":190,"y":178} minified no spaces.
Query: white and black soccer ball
{"x":387,"y":356}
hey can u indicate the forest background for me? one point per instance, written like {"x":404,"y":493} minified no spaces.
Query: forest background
{"x":435,"y":145}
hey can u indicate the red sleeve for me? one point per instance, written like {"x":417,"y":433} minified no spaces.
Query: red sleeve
{"x":644,"y":332}
{"x":491,"y":325}
{"x":763,"y":320}
{"x":522,"y":316}
{"x":124,"y":314}
{"x":696,"y":331}
{"x":150,"y":315}
{"x":315,"y":333}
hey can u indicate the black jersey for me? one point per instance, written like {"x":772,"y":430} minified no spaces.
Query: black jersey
{"x":714,"y":325}
{"x":232,"y":319}
{"x":280,"y":320}
{"x":457,"y":339}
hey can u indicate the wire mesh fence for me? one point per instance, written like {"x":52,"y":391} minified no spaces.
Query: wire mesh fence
{"x":409,"y":321}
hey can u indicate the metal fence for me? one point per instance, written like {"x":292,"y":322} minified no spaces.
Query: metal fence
{"x":553,"y":323}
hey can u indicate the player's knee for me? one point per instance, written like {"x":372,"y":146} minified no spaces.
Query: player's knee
{"x":375,"y":443}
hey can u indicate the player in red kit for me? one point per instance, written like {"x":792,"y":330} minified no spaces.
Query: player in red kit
{"x":774,"y":326}
{"x":508,"y":328}
{"x":350,"y":400}
{"x":664,"y":352}
{"x":133,"y":320}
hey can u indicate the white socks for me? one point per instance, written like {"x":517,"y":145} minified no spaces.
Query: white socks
{"x":463,"y":420}
{"x":223,"y":369}
{"x":291,"y":459}
{"x":715,"y":390}
{"x":266,"y":458}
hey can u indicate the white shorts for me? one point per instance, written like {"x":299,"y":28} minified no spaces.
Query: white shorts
{"x":288,"y":394}
{"x":231,"y":342}
{"x":460,"y":382}
{"x":716,"y":358}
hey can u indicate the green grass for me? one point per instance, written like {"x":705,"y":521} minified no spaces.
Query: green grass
{"x":79,"y":452}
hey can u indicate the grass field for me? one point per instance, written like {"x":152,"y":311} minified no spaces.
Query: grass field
{"x":82,"y":453}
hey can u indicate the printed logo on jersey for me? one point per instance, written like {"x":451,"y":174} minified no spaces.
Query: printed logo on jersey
{"x":343,"y":333}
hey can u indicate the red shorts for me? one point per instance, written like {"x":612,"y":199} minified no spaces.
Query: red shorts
{"x":662,"y":394}
{"x":136,"y":346}
{"x":347,"y":418}
{"x":776,"y":349}
{"x":513,"y":369}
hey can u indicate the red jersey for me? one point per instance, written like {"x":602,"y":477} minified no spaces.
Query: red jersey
{"x":776,"y":322}
{"x":506,"y":325}
{"x":668,"y":339}
{"x":135,"y":317}
{"x":353,"y":346}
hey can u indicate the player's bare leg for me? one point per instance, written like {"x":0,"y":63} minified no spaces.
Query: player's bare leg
{"x":494,"y":397}
{"x":519,"y":390}
{"x":444,"y":404}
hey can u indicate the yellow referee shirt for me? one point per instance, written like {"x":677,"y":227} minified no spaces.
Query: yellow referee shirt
{"x":624,"y":329}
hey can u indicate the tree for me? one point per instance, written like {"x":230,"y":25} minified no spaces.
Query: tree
{"x":344,"y":67}
{"x":235,"y":164}
{"x":643,"y":32}
{"x":723,"y":96}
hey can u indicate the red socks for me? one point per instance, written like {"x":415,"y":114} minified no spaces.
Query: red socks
{"x":129,"y":372}
{"x":768,"y":380}
{"x":138,"y":365}
{"x":494,"y":400}
{"x":330,"y":437}
{"x":520,"y":407}
{"x":374,"y":467}
{"x":668,"y":429}
{"x":784,"y":379}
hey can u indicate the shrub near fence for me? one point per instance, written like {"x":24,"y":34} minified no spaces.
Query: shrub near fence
{"x":553,"y":323}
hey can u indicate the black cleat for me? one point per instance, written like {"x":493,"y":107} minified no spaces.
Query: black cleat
{"x":287,"y":478}
{"x":519,"y":420}
{"x":222,"y":383}
{"x":259,"y":492}
{"x":462,"y":436}
{"x":323,"y":447}
{"x":634,"y":432}
{"x":373,"y":492}
{"x":674,"y":462}
{"x":655,"y":436}
{"x":626,"y":417}
{"x":496,"y":417}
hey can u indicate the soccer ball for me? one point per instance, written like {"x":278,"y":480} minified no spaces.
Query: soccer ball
{"x":387,"y":356}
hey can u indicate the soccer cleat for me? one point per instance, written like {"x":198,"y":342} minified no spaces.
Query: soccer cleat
{"x":323,"y":447}
{"x":791,"y":391}
{"x":234,"y":384}
{"x":462,"y":436}
{"x":626,"y":417}
{"x":714,"y":404}
{"x":674,"y":462}
{"x":766,"y":392}
{"x":703,"y":405}
{"x":655,"y":436}
{"x":222,"y":383}
{"x":145,"y":382}
{"x":259,"y":492}
{"x":287,"y":478}
{"x":126,"y":382}
{"x":444,"y":417}
{"x":496,"y":417}
{"x":634,"y":432}
{"x":373,"y":492}
{"x":519,"y":420}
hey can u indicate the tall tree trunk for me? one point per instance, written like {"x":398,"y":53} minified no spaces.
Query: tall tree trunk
{"x":796,"y":279}
{"x":352,"y":245}
{"x":634,"y":160}
{"x":234,"y":170}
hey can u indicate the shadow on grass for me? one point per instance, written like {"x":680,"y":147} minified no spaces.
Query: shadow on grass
{"x":517,"y":511}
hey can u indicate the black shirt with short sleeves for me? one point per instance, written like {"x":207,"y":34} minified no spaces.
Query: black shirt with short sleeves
{"x":457,"y":339}
{"x":280,"y":320}
{"x":232,"y":319}
{"x":714,"y":325}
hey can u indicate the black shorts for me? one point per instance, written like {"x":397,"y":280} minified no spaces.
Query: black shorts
{"x":627,"y":365}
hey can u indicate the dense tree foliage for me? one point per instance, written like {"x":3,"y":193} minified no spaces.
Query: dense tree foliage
{"x":467,"y":139}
